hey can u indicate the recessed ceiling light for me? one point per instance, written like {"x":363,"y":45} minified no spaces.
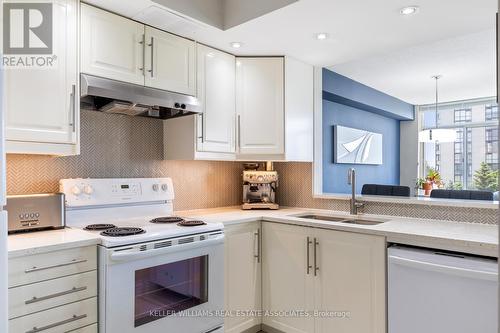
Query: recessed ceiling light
{"x":236,"y":45}
{"x":321,"y":36}
{"x":409,"y":10}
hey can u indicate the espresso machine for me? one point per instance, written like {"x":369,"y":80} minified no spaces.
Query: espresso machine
{"x":259,"y":187}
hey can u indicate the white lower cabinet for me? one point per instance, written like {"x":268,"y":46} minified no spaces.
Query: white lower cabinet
{"x":339,"y":274}
{"x":54,"y":292}
{"x":243,"y":253}
{"x":285,"y":282}
{"x":61,"y":319}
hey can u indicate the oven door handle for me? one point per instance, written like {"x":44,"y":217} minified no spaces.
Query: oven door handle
{"x":125,"y":256}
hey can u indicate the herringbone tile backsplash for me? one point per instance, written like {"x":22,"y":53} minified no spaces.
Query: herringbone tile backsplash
{"x":122,"y":146}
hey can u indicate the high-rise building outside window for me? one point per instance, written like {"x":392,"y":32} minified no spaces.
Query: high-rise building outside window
{"x":475,"y":150}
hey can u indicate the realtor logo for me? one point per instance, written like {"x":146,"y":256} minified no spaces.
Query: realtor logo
{"x":28,"y":35}
{"x":27,"y":28}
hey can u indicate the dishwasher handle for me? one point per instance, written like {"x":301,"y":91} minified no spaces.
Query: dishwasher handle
{"x":445,"y":269}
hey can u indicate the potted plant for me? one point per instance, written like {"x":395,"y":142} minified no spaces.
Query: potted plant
{"x":419,"y":186}
{"x":433,"y":180}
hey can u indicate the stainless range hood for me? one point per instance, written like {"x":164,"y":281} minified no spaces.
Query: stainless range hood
{"x":112,"y":96}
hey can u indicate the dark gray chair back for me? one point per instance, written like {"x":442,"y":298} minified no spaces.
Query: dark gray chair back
{"x":387,"y":190}
{"x":462,"y":194}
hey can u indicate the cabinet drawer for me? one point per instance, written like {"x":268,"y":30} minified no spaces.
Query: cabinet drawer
{"x":57,"y":320}
{"x":48,"y":294}
{"x":46,"y":266}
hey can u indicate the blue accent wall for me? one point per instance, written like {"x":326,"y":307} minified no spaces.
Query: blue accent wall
{"x":336,"y":111}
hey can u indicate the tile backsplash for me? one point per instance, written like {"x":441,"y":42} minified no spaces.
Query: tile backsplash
{"x":122,"y":146}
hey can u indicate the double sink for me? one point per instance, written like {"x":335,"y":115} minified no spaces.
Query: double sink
{"x":343,"y":219}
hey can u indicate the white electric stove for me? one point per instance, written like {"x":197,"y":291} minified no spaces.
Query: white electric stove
{"x":156,"y":270}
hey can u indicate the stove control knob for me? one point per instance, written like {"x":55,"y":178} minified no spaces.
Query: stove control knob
{"x":87,"y":189}
{"x":164,"y":187}
{"x":155,"y":187}
{"x":76,"y":190}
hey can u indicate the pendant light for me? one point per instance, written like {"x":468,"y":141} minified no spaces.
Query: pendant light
{"x":437,"y":135}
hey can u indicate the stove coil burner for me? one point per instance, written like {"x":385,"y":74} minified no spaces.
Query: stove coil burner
{"x":119,"y":232}
{"x":167,"y":219}
{"x":193,"y":223}
{"x":99,"y":226}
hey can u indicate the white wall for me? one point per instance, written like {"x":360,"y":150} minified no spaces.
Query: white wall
{"x":408,"y":153}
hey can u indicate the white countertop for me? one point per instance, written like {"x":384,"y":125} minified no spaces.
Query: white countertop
{"x":473,"y":238}
{"x":47,"y":241}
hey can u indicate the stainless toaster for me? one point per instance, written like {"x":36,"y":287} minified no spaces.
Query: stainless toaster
{"x":35,"y":212}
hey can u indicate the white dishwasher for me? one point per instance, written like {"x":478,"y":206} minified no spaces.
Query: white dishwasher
{"x":436,"y":292}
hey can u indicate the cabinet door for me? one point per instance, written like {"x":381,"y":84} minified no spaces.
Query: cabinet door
{"x":242,"y":275}
{"x":216,"y":92}
{"x":351,"y":278}
{"x":170,"y":62}
{"x":259,"y":105}
{"x":42,"y":105}
{"x":287,"y":285}
{"x":111,"y":46}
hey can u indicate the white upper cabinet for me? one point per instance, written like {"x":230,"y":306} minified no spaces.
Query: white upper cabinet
{"x":170,"y":62}
{"x":260,"y":105}
{"x":299,"y":111}
{"x":210,"y":135}
{"x":216,"y":92}
{"x":275,"y":109}
{"x":42,"y":105}
{"x":111,"y":46}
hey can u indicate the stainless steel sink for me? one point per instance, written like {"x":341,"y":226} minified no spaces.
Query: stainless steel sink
{"x":345,"y":219}
{"x":322,"y":217}
{"x":363,"y":222}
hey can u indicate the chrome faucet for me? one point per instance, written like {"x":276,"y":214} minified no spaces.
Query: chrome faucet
{"x":354,"y":203}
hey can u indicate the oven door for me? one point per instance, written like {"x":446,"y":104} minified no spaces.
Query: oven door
{"x":175,"y":289}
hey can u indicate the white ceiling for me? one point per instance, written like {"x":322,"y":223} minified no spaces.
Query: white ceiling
{"x":358,"y":29}
{"x":467,"y":65}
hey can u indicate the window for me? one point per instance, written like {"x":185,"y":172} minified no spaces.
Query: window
{"x":476,"y":143}
{"x":491,"y":147}
{"x":463,"y":115}
{"x":491,"y":112}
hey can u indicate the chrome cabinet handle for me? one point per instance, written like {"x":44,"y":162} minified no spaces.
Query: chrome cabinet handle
{"x":59,"y":323}
{"x":73,"y":108}
{"x":62,"y":293}
{"x":152,"y":57}
{"x":239,"y":131}
{"x":37,"y":269}
{"x":316,"y":268}
{"x":257,"y":235}
{"x":308,"y":244}
{"x":202,"y":130}
{"x":142,"y":42}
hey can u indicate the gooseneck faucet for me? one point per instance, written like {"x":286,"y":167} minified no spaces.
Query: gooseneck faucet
{"x":354,"y":203}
